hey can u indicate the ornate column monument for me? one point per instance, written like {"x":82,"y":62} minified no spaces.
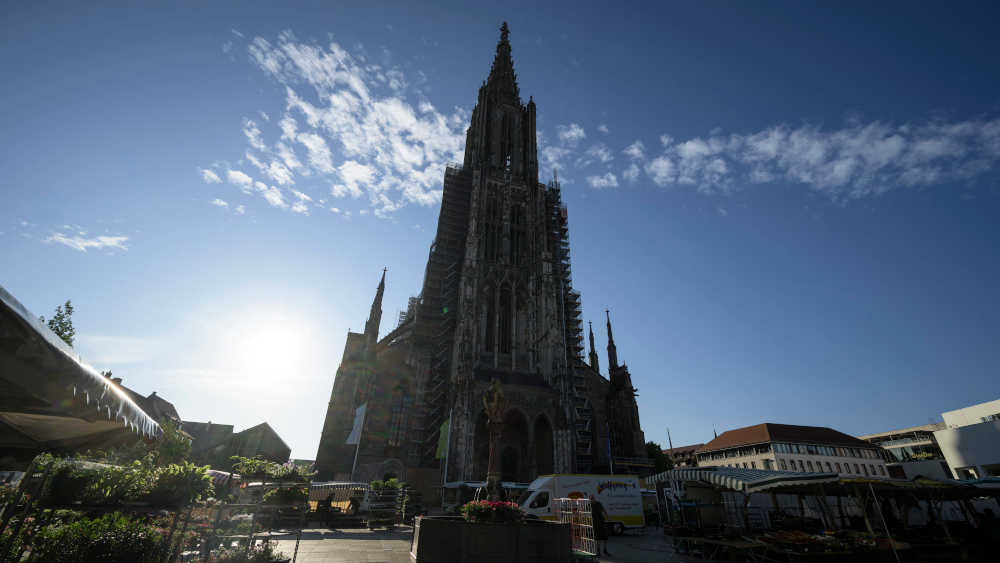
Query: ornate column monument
{"x":495,"y":406}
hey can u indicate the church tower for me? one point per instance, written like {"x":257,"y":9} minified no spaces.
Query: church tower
{"x":497,"y":304}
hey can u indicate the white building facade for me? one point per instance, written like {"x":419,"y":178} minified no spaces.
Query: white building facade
{"x":789,"y":447}
{"x":971,"y":440}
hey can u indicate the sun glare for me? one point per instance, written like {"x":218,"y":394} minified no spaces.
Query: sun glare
{"x":269,"y":349}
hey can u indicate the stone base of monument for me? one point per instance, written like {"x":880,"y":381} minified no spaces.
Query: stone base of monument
{"x":450,"y":539}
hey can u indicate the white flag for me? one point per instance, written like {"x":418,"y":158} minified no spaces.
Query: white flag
{"x":359,"y":422}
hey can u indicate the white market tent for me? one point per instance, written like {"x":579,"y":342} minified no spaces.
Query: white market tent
{"x":743,"y":480}
{"x":50,"y":399}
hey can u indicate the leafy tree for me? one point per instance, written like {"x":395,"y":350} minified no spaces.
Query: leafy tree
{"x":655,"y":453}
{"x":174,"y":446}
{"x":62,"y":322}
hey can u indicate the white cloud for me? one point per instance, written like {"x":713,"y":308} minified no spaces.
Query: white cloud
{"x":341,"y":109}
{"x":272,"y":194}
{"x":661,"y":170}
{"x":210,"y":177}
{"x":603,"y":128}
{"x":600,"y":182}
{"x":81,"y":243}
{"x":240,"y":210}
{"x":631,"y":173}
{"x":596,"y":153}
{"x":570,"y":134}
{"x":219,"y":203}
{"x":635,"y":151}
{"x":856,"y":161}
{"x":237,"y":178}
{"x":252,"y":133}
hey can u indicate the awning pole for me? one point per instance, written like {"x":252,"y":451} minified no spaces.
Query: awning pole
{"x":864,"y":509}
{"x":878,"y":507}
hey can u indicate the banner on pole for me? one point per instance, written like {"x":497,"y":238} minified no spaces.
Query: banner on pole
{"x":354,"y":437}
{"x":443,"y":439}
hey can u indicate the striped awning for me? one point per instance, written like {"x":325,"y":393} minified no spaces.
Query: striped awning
{"x":742,"y":480}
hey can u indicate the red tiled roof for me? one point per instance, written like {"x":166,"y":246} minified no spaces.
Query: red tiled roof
{"x":771,"y":432}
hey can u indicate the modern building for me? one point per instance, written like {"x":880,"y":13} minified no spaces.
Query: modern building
{"x":966,"y":445}
{"x":789,"y":447}
{"x":970,"y":440}
{"x":912,"y":452}
{"x":683,"y":456}
{"x":497,"y":304}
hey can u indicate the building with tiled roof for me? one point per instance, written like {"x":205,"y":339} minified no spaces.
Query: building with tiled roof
{"x":683,"y":456}
{"x":790,"y":447}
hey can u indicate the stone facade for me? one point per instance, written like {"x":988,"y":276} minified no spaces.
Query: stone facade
{"x":497,"y":303}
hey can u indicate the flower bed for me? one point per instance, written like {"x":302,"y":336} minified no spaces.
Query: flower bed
{"x":491,"y":512}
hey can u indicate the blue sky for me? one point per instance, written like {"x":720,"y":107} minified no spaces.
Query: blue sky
{"x":789,"y":208}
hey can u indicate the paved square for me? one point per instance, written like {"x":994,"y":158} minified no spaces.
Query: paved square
{"x":322,"y":545}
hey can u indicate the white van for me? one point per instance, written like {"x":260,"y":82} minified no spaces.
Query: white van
{"x":620,"y":495}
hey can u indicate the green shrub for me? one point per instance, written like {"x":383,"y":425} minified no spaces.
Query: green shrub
{"x":259,"y":468}
{"x":112,"y":538}
{"x":287,"y":495}
{"x":180,"y":485}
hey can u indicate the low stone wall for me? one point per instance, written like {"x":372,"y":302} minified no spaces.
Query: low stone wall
{"x":450,"y":539}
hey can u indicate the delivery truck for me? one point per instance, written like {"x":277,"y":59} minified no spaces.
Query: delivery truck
{"x":620,"y":495}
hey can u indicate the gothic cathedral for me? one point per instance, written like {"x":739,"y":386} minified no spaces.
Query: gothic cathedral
{"x":497,"y":303}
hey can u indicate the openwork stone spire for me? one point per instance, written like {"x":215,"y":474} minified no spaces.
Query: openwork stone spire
{"x":503,"y":79}
{"x":612,"y":350}
{"x":375,"y":316}
{"x":594,"y":362}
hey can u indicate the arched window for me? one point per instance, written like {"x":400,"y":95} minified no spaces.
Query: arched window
{"x":506,"y":319}
{"x":517,"y":238}
{"x":490,"y":321}
{"x":397,"y":422}
{"x":491,"y":230}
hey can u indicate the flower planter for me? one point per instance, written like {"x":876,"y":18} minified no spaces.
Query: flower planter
{"x":445,"y":539}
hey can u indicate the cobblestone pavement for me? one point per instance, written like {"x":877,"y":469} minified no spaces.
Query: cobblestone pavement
{"x":323,"y":545}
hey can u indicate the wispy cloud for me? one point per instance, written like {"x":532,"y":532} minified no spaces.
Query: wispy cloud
{"x":82,"y":243}
{"x":601,"y":182}
{"x":210,"y":177}
{"x":603,"y":128}
{"x":856,"y":161}
{"x":571,"y":134}
{"x":219,"y":203}
{"x":350,"y":125}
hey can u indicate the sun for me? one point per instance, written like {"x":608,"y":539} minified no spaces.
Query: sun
{"x":269,"y":348}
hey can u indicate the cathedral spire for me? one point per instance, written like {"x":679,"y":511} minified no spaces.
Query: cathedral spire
{"x":502,"y":78}
{"x":375,"y":316}
{"x":594,"y":362}
{"x":612,"y":351}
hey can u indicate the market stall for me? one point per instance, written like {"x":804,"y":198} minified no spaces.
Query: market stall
{"x":793,"y":514}
{"x":50,"y":400}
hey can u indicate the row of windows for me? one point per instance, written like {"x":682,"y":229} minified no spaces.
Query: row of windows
{"x":807,"y":466}
{"x":831,"y":467}
{"x":813,"y":449}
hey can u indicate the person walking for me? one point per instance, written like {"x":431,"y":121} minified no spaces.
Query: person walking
{"x":600,"y":518}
